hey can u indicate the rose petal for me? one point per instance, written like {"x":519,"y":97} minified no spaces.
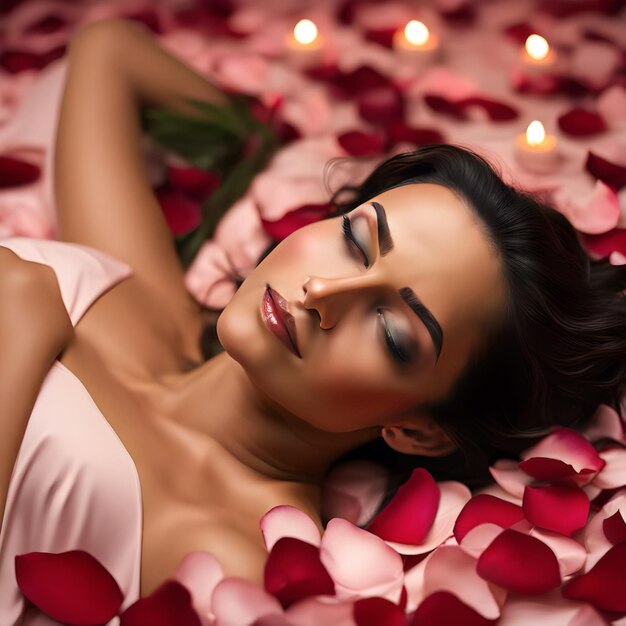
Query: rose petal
{"x":587,"y":616}
{"x":563,"y":457}
{"x":519,"y":563}
{"x":554,"y":507}
{"x":398,"y":132}
{"x":570,"y":554}
{"x":360,"y":563}
{"x":479,"y":538}
{"x":614,"y":528}
{"x":237,"y":601}
{"x":316,"y":611}
{"x":613,"y":475}
{"x":71,"y":587}
{"x":510,"y":477}
{"x":445,"y":609}
{"x":605,"y":423}
{"x":168,"y":605}
{"x":288,"y":521}
{"x":293,"y":571}
{"x":15,"y":172}
{"x":376,"y":611}
{"x":409,"y":515}
{"x":604,"y":585}
{"x":610,"y":173}
{"x":360,"y":143}
{"x":581,"y":122}
{"x":295,"y":219}
{"x":484,"y":508}
{"x":200,"y":572}
{"x":611,"y":104}
{"x":445,"y":106}
{"x":381,"y":106}
{"x":605,"y":244}
{"x":451,"y":569}
{"x":194,"y":180}
{"x":497,"y":111}
{"x":182,"y":213}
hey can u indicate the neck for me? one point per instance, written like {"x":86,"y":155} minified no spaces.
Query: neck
{"x":219,"y":400}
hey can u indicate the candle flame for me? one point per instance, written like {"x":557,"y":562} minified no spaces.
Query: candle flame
{"x":535,"y":133}
{"x":305,"y":32}
{"x":416,"y":33}
{"x":537,"y":47}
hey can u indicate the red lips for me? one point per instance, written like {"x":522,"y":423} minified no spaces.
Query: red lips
{"x":276,"y":316}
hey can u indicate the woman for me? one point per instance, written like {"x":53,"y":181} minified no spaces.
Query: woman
{"x":444,"y":310}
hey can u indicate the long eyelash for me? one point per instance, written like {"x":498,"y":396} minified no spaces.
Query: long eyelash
{"x":398,"y":353}
{"x":349,"y":235}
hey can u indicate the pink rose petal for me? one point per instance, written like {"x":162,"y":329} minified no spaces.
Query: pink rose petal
{"x":200,"y":572}
{"x":409,"y":515}
{"x":611,"y":104}
{"x":15,"y":172}
{"x":564,"y":456}
{"x":237,"y":601}
{"x":476,"y":541}
{"x":293,"y":571}
{"x":581,"y":122}
{"x":613,"y":475}
{"x":288,"y":521}
{"x":520,"y":563}
{"x":485,"y":508}
{"x":605,"y":423}
{"x":613,"y":174}
{"x":71,"y":587}
{"x":555,"y":507}
{"x":570,"y":554}
{"x":360,"y":563}
{"x":510,"y":477}
{"x":316,"y":611}
{"x":168,"y":605}
{"x":445,"y":609}
{"x":451,"y":569}
{"x":604,"y":586}
{"x":377,"y":611}
{"x":614,"y":528}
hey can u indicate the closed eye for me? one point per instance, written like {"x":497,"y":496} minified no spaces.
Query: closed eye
{"x":352,"y":241}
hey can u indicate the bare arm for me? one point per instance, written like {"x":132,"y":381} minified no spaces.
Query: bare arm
{"x":102,"y":190}
{"x":34,"y":329}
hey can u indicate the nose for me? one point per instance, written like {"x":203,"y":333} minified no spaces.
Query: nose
{"x":332,"y":297}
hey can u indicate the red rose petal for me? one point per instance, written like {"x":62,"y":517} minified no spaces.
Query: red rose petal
{"x":614,"y":528}
{"x":520,"y":31}
{"x":462,"y":15}
{"x":182,"y":213}
{"x":15,"y":172}
{"x":382,"y":105}
{"x":612,"y":174}
{"x":293,"y":220}
{"x":443,"y":608}
{"x":604,"y":585}
{"x":398,"y":131}
{"x":71,"y":587}
{"x":409,"y":515}
{"x":553,"y":470}
{"x":497,"y":111}
{"x":46,"y":25}
{"x":445,"y":106}
{"x":484,"y":508}
{"x":377,"y":611}
{"x":581,"y":122}
{"x":604,"y":244}
{"x":360,"y":143}
{"x":147,"y":17}
{"x":519,"y":563}
{"x":168,"y":605}
{"x":194,"y":180}
{"x":554,"y":507}
{"x":294,"y":571}
{"x":14,"y":61}
{"x":566,"y":8}
{"x":358,"y":81}
{"x":382,"y":36}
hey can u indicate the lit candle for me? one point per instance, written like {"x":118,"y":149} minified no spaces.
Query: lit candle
{"x":536,"y":150}
{"x":416,"y":42}
{"x":537,"y":57}
{"x":305,"y":44}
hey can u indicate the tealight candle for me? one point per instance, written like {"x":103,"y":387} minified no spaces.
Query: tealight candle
{"x":536,"y":150}
{"x":536,"y":56}
{"x":416,"y":42}
{"x":304,"y":44}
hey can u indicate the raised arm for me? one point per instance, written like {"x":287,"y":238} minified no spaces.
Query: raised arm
{"x":102,"y":190}
{"x":34,"y":329}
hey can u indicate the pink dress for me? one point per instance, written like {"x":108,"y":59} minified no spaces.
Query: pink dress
{"x":74,"y":486}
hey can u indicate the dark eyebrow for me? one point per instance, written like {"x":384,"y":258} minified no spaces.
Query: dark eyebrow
{"x":385,"y":244}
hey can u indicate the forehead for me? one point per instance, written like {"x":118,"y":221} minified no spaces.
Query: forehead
{"x":442,"y":252}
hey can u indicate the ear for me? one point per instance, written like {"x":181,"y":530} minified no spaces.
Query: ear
{"x":420,"y":436}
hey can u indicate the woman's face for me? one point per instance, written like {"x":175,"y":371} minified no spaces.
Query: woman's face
{"x":367,"y":356}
